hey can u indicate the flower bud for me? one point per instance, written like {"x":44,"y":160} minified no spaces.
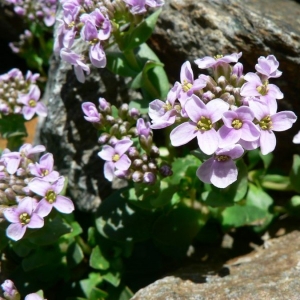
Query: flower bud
{"x":165,"y":170}
{"x":123,"y":110}
{"x":133,"y":152}
{"x":103,"y":138}
{"x":154,"y":152}
{"x":137,"y":176}
{"x":137,"y":163}
{"x":10,"y":194}
{"x":149,"y":178}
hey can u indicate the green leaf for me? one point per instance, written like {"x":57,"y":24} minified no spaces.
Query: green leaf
{"x":97,"y":260}
{"x":180,"y":166}
{"x":51,"y":232}
{"x":3,"y":240}
{"x":295,"y":173}
{"x":178,"y":227}
{"x":42,"y":257}
{"x":87,"y":285}
{"x":74,"y":255}
{"x":117,"y":64}
{"x":120,"y":221}
{"x":237,"y":216}
{"x":97,"y":294}
{"x":258,"y":198}
{"x":267,"y":159}
{"x":126,"y":294}
{"x":142,"y":32}
{"x":75,"y":230}
{"x":165,"y":195}
{"x":23,"y":247}
{"x":113,"y":278}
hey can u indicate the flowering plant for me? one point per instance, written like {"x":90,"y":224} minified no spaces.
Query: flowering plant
{"x":193,"y":159}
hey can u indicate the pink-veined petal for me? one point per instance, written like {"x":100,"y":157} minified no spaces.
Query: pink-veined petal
{"x":109,"y":168}
{"x":43,"y":208}
{"x":183,"y":133}
{"x":35,"y":221}
{"x":208,"y":141}
{"x":123,"y":163}
{"x":224,"y":174}
{"x":283,"y":120}
{"x":39,"y":186}
{"x":63,"y":204}
{"x":15,"y":231}
{"x":267,"y":141}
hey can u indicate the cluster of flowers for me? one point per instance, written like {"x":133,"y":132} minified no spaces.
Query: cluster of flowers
{"x":91,"y":22}
{"x":123,"y":159}
{"x":43,"y":10}
{"x":19,"y":95}
{"x":29,"y":189}
{"x":10,"y":292}
{"x":228,"y":113}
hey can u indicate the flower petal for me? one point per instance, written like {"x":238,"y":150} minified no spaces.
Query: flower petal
{"x":63,"y":204}
{"x":15,"y":231}
{"x":183,"y":133}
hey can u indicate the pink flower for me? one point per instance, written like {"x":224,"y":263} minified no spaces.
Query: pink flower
{"x":238,"y":125}
{"x":203,"y":117}
{"x":51,"y":198}
{"x":268,"y":66}
{"x":44,"y":169}
{"x":22,"y":217}
{"x":31,"y":103}
{"x":220,"y":170}
{"x":208,"y":62}
{"x":269,"y":121}
{"x":115,"y":158}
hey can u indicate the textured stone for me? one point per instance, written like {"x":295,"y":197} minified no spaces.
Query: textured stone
{"x":270,"y":272}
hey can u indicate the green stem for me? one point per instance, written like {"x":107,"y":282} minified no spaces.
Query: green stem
{"x":131,"y":59}
{"x":83,"y":245}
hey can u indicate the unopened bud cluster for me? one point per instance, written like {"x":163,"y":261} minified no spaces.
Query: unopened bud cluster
{"x":127,"y":143}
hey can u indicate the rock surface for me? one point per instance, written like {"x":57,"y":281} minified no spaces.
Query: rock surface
{"x":187,"y":29}
{"x":270,"y":272}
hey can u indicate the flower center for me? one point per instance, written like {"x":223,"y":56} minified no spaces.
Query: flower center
{"x":71,"y":24}
{"x":167,"y":106}
{"x":24,"y":218}
{"x":237,"y":124}
{"x":93,"y":41}
{"x":50,"y":196}
{"x":115,"y":157}
{"x":222,"y":158}
{"x":204,"y":124}
{"x":186,"y":86}
{"x":32,"y":103}
{"x":45,"y":172}
{"x":263,"y":89}
{"x":218,"y":56}
{"x":266,"y":123}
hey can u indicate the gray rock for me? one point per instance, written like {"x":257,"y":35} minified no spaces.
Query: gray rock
{"x":187,"y":29}
{"x":270,"y":272}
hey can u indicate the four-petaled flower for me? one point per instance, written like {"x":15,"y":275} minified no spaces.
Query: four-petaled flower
{"x":208,"y":62}
{"x":21,"y":217}
{"x":238,"y":125}
{"x":269,"y":121}
{"x":51,"y":198}
{"x":203,"y":117}
{"x":220,"y":170}
{"x":31,"y":103}
{"x":115,"y":158}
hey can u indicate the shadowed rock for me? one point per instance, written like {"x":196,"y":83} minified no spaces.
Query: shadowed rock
{"x":271,"y":272}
